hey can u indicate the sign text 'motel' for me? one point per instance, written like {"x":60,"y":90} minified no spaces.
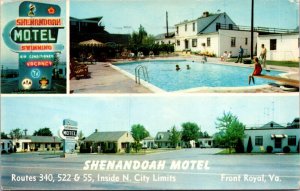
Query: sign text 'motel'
{"x":68,"y":132}
{"x":34,"y":36}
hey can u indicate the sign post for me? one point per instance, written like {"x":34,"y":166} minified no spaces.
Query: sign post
{"x":68,"y":132}
{"x":33,"y":35}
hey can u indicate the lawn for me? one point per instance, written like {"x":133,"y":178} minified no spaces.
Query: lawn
{"x":275,"y":63}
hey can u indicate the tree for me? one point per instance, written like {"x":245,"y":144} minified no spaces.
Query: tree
{"x":190,"y":131}
{"x":4,"y":136}
{"x":43,"y":132}
{"x":16,"y":133}
{"x":249,"y":146}
{"x":174,"y":136}
{"x":138,"y":132}
{"x":230,"y":129}
{"x":80,"y":137}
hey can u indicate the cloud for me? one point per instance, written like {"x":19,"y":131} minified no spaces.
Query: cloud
{"x":294,"y":1}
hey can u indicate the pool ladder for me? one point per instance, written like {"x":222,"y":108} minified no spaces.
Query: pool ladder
{"x":138,"y":74}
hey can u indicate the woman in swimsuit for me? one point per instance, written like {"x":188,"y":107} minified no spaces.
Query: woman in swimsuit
{"x":257,"y":70}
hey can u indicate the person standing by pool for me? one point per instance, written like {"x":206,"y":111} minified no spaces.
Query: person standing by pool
{"x":241,"y":52}
{"x":257,"y":70}
{"x":188,"y":67}
{"x":177,"y":67}
{"x":263,"y":55}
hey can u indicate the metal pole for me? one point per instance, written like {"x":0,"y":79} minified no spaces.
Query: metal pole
{"x":252,"y":23}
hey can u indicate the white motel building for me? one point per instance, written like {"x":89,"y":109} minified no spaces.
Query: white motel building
{"x":216,"y":33}
{"x":274,"y":135}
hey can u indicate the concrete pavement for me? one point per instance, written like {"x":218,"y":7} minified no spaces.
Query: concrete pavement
{"x":243,"y":171}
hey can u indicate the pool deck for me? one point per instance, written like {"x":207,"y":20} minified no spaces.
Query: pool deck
{"x":105,"y":78}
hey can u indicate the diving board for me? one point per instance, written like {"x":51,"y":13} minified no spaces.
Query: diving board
{"x":287,"y":81}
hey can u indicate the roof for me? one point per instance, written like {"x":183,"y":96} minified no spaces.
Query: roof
{"x":164,"y":36}
{"x":148,"y":138}
{"x":204,"y":22}
{"x":95,"y":19}
{"x":162,"y":136}
{"x":105,"y":136}
{"x":43,"y":139}
{"x":271,"y":124}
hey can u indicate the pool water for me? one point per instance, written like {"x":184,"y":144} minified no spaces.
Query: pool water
{"x":163,"y":74}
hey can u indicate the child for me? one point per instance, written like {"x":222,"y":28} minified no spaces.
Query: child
{"x":257,"y":70}
{"x":177,"y":67}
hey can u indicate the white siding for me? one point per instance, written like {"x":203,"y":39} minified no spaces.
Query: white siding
{"x":286,"y":47}
{"x":240,"y":36}
{"x":268,"y":141}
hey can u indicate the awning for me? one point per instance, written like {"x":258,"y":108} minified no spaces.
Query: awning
{"x":278,"y":136}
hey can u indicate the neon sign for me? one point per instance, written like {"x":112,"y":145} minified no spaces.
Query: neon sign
{"x":34,"y":36}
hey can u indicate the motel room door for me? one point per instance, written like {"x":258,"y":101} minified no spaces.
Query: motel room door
{"x":186,"y":44}
{"x":278,"y":143}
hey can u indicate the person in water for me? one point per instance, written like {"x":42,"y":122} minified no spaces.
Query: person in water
{"x":188,"y":67}
{"x":257,"y":70}
{"x":177,"y":67}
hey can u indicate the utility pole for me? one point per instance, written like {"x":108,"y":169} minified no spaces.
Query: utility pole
{"x":167,"y":24}
{"x":252,"y":23}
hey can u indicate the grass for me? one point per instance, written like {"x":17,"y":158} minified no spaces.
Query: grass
{"x":276,"y":63}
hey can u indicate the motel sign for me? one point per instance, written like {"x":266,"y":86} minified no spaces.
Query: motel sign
{"x":68,"y":132}
{"x":34,"y":37}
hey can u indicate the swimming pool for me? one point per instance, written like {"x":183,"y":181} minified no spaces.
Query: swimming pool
{"x":163,"y":74}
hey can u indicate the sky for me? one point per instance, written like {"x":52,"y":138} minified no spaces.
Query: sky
{"x":9,"y":12}
{"x":156,"y":113}
{"x":125,"y":16}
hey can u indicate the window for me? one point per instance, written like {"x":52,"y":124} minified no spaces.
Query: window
{"x":233,"y":39}
{"x":194,"y":27}
{"x":52,"y":145}
{"x":2,"y":146}
{"x":278,"y":143}
{"x":185,"y":27}
{"x":258,"y":140}
{"x":178,"y":42}
{"x":37,"y":145}
{"x":246,"y":41}
{"x":291,"y":140}
{"x":194,"y":42}
{"x":208,"y":42}
{"x":218,"y":26}
{"x":272,"y":44}
{"x":18,"y":145}
{"x":177,"y":29}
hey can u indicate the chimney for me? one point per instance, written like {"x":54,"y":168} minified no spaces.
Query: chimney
{"x":205,"y":14}
{"x":96,"y":130}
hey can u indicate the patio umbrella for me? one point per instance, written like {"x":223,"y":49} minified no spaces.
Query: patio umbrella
{"x":91,"y":43}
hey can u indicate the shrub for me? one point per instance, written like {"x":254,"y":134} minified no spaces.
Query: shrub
{"x":286,"y":149}
{"x":128,"y":148}
{"x":3,"y":152}
{"x":249,"y":146}
{"x":239,"y":146}
{"x":269,"y":149}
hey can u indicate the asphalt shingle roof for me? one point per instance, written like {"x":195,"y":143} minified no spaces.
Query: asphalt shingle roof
{"x":105,"y":136}
{"x":43,"y":139}
{"x":162,"y":136}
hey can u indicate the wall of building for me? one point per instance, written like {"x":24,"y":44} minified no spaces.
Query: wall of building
{"x":267,"y":140}
{"x":286,"y":46}
{"x":126,"y":138}
{"x":240,"y":36}
{"x":189,"y":32}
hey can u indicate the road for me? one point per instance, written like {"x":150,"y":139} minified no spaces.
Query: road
{"x":245,"y":171}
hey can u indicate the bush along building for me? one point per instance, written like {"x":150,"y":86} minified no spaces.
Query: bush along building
{"x":273,"y":138}
{"x":107,"y":142}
